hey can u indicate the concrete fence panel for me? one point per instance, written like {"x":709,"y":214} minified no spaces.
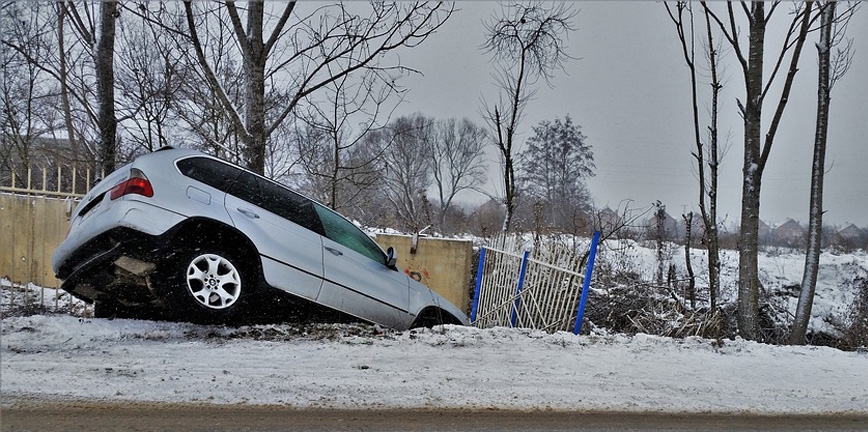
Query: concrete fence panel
{"x":444,"y":265}
{"x":31,"y":227}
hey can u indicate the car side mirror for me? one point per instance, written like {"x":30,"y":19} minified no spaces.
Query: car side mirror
{"x":391,"y":258}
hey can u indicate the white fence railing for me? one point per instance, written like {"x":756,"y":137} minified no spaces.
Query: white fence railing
{"x":531,"y":287}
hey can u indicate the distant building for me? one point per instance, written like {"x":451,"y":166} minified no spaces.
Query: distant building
{"x":608,"y":219}
{"x":851,"y":237}
{"x":788,"y":233}
{"x":850,"y":232}
{"x":765,"y":232}
{"x":671,"y":226}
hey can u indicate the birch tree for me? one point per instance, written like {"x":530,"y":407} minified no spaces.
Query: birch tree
{"x":829,"y":72}
{"x":526,"y":44}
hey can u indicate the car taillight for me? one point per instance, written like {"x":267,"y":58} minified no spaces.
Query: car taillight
{"x":137,"y":184}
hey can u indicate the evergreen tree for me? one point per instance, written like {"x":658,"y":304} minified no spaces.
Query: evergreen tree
{"x":554,"y":167}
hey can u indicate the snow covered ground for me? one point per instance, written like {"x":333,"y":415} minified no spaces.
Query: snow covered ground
{"x":59,"y":357}
{"x":350,"y":366}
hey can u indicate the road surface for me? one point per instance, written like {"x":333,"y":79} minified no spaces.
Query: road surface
{"x":81,"y":416}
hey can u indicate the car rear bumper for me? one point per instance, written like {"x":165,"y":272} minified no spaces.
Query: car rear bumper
{"x":120,"y":257}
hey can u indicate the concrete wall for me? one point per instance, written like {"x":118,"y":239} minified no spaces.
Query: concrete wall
{"x":30,"y":230}
{"x":444,"y":265}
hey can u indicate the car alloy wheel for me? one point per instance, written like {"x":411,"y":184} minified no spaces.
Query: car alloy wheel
{"x":213,"y":281}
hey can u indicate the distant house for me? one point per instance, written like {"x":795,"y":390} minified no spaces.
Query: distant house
{"x":789,"y":232}
{"x":608,"y":219}
{"x":670,"y":226}
{"x":850,"y":232}
{"x":765,"y":232}
{"x":851,"y":237}
{"x":697,"y":227}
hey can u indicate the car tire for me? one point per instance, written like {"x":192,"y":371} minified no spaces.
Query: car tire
{"x":106,"y":309}
{"x":206,"y":285}
{"x":433,"y":317}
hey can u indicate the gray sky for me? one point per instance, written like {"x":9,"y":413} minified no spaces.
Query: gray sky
{"x":629,"y":90}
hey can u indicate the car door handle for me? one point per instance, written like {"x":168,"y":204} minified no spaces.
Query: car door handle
{"x":249,"y":213}
{"x":334,"y":251}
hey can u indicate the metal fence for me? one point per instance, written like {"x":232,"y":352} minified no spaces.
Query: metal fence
{"x":34,"y":219}
{"x":522,"y":284}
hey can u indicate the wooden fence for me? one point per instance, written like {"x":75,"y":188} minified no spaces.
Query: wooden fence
{"x":34,"y":219}
{"x":522,"y":284}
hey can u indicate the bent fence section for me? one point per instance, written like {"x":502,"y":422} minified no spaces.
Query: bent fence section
{"x":532,"y":287}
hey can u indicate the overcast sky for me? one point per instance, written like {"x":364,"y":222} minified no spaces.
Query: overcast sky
{"x":628,"y":89}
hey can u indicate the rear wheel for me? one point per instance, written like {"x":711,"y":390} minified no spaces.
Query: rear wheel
{"x":106,"y":309}
{"x":206,"y":285}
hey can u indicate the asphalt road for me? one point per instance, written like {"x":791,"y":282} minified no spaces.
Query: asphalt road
{"x":97,"y":417}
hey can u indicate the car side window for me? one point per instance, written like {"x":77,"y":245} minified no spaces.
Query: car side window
{"x":278,"y":200}
{"x":209,"y":171}
{"x":345,"y":233}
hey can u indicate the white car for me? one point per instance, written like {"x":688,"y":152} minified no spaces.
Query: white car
{"x":184,"y":233}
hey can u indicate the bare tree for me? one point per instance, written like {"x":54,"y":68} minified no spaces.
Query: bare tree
{"x":708,"y":181}
{"x":757,"y":149}
{"x":526,"y":43}
{"x":301,"y":54}
{"x":22,"y":85}
{"x":68,"y":59}
{"x":829,"y":72}
{"x":148,"y":83}
{"x":203,"y":107}
{"x":457,"y":161}
{"x":407,"y":168}
{"x":336,"y":140}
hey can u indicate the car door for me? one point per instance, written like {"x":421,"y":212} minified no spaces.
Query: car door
{"x":284,"y":227}
{"x":357,"y":280}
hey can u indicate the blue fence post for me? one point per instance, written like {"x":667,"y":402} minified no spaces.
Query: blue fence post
{"x":475,"y":307}
{"x":514,"y":318}
{"x":580,"y":314}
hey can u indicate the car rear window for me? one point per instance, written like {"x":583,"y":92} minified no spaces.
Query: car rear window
{"x":210,"y":171}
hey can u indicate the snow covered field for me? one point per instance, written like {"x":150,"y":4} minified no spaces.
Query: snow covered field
{"x":59,"y":357}
{"x":63,"y":357}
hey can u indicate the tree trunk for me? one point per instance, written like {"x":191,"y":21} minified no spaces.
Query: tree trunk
{"x":748,"y":279}
{"x":710,"y":219}
{"x":105,"y":86}
{"x":815,"y":224}
{"x":254,"y":68}
{"x":691,"y":277}
{"x":660,"y":236}
{"x":63,"y":77}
